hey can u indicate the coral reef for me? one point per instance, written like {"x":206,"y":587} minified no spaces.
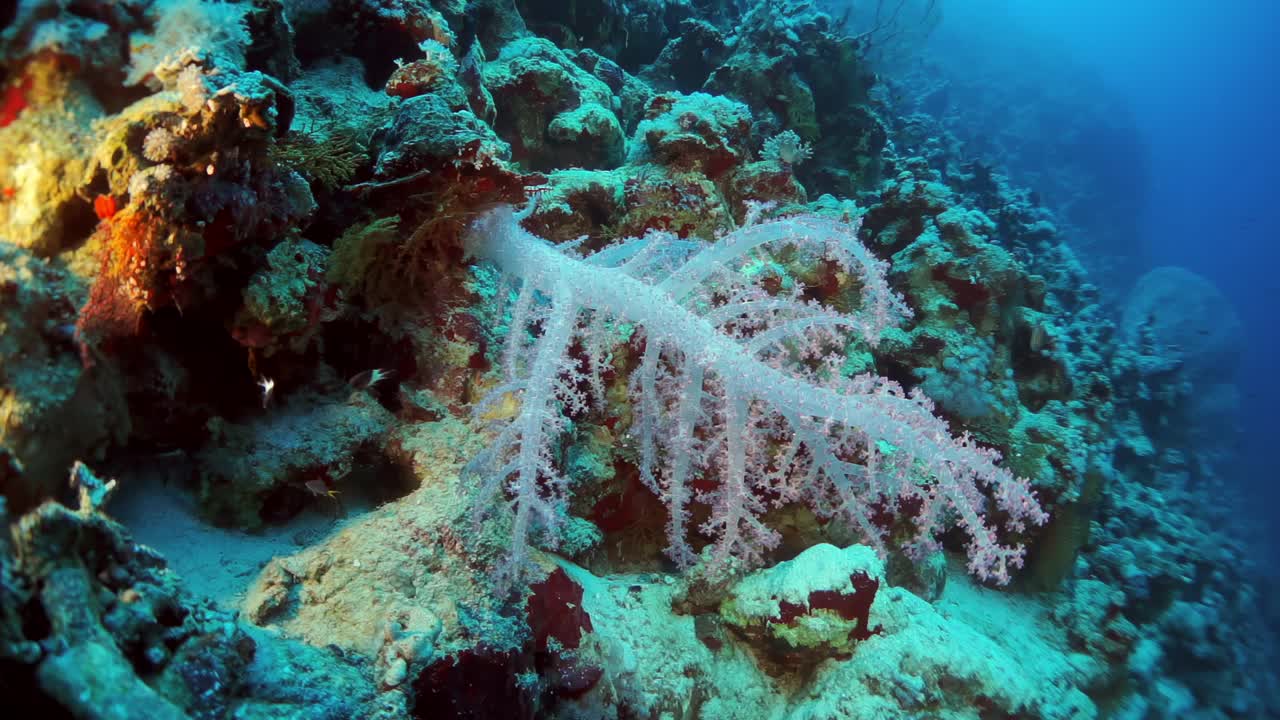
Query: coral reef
{"x":587,"y":360}
{"x":739,"y":347}
{"x":54,"y":410}
{"x":96,"y":625}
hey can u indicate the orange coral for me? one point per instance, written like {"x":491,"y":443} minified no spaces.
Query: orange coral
{"x":136,"y":259}
{"x":104,"y":206}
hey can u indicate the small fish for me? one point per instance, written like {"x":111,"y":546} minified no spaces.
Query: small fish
{"x":268,"y":385}
{"x":366,"y":379}
{"x":1039,"y":337}
{"x":319,"y":489}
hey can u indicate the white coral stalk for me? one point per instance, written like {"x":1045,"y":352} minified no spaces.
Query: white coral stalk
{"x":737,"y":394}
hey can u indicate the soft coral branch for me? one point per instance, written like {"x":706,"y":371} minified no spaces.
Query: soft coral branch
{"x":735,"y":405}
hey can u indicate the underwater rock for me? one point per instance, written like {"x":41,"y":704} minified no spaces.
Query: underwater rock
{"x":54,"y":410}
{"x":185,"y":187}
{"x":93,"y":39}
{"x":631,"y":38}
{"x":689,"y":58}
{"x":333,"y":94}
{"x":215,"y":34}
{"x":286,"y":302}
{"x":802,"y":611}
{"x":764,"y":182}
{"x":437,"y":73}
{"x":576,"y":201}
{"x":552,"y":111}
{"x":46,"y":129}
{"x":698,"y":132}
{"x":918,"y":660}
{"x":684,"y":203}
{"x":405,"y":561}
{"x":118,"y":637}
{"x":1094,"y":622}
{"x":426,"y":132}
{"x":292,"y":454}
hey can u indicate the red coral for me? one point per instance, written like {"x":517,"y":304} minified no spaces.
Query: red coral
{"x":555,"y":612}
{"x":107,"y":314}
{"x":479,"y":684}
{"x":849,"y":606}
{"x":135,"y":259}
{"x":104,"y":206}
{"x":631,"y":507}
{"x":15,"y":101}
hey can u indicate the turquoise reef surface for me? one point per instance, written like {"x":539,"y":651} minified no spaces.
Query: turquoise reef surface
{"x":686,"y":359}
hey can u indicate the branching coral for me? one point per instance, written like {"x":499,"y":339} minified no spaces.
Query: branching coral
{"x":437,"y":168}
{"x":444,"y":202}
{"x":736,"y":386}
{"x":355,"y":254}
{"x":331,"y":162}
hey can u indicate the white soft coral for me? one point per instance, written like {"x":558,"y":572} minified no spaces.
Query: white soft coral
{"x":726,"y":389}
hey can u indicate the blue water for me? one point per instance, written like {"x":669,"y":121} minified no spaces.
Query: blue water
{"x":1196,"y":79}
